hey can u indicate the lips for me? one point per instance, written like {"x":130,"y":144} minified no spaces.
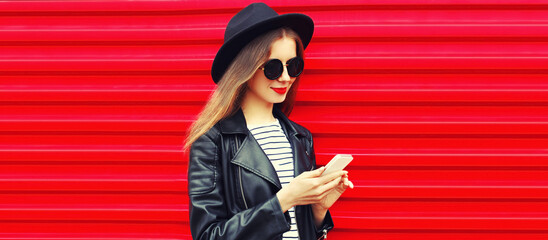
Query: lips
{"x":280,"y":90}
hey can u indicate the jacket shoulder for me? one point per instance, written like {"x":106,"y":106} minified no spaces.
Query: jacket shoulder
{"x":214,"y":133}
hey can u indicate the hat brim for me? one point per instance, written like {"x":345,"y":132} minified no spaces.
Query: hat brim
{"x":300,"y":23}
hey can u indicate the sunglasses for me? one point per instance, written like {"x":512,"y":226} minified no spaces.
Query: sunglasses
{"x":274,"y":68}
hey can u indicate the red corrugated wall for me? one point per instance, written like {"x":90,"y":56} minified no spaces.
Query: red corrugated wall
{"x":444,"y":105}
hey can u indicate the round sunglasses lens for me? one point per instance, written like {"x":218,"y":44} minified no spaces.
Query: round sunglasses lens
{"x":295,"y":66}
{"x":273,"y":69}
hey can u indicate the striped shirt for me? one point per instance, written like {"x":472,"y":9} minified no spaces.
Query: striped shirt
{"x":274,"y":143}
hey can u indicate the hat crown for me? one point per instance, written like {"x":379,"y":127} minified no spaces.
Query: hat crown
{"x":247,"y":17}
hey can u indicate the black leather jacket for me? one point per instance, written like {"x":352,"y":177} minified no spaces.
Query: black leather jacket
{"x":232,"y":184}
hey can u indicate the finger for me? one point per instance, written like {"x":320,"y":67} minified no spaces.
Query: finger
{"x":318,"y":172}
{"x":330,"y":185}
{"x":333,"y":175}
{"x":313,"y":173}
{"x":333,"y":189}
{"x":349,"y":184}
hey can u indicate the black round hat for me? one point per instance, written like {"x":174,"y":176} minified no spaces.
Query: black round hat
{"x":251,"y":22}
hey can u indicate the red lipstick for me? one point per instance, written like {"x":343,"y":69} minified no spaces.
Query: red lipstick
{"x":280,"y":90}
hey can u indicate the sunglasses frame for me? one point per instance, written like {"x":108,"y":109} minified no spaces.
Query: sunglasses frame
{"x":286,"y":65}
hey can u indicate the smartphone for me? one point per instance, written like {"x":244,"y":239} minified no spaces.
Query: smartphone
{"x":338,"y":163}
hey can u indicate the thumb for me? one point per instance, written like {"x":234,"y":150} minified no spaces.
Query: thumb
{"x":318,"y":172}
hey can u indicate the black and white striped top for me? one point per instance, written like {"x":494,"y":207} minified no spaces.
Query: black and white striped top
{"x":274,"y":143}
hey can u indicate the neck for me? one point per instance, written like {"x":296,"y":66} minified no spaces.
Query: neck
{"x":257,"y":112}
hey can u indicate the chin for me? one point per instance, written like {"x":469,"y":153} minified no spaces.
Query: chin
{"x":278,"y":99}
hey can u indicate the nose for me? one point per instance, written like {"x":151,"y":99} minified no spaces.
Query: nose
{"x":285,"y":75}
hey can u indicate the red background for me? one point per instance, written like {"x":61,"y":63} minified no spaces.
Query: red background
{"x":444,"y":105}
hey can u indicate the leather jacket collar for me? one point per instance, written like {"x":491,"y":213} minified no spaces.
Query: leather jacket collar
{"x":236,"y":124}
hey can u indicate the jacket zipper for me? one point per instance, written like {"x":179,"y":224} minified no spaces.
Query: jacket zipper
{"x":241,"y":186}
{"x":240,"y":174}
{"x":324,"y":236}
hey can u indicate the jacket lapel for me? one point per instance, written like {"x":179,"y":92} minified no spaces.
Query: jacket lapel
{"x":252,"y":158}
{"x":250,"y":155}
{"x":300,"y":156}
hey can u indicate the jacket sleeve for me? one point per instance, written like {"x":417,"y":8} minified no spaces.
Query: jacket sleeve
{"x":327,"y":223}
{"x":209,"y":215}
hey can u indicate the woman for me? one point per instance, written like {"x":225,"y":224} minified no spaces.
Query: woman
{"x":251,"y":170}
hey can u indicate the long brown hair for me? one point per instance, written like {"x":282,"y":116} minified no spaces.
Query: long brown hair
{"x":226,"y":98}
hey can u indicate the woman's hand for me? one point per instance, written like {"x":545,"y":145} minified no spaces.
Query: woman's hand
{"x":312,"y":188}
{"x":337,"y":191}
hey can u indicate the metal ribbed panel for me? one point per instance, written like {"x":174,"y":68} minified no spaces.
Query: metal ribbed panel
{"x":442,"y":103}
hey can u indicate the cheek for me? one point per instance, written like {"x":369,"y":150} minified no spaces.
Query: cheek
{"x":259,"y":83}
{"x":291,"y":83}
{"x":253,"y":82}
{"x":262,"y":82}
